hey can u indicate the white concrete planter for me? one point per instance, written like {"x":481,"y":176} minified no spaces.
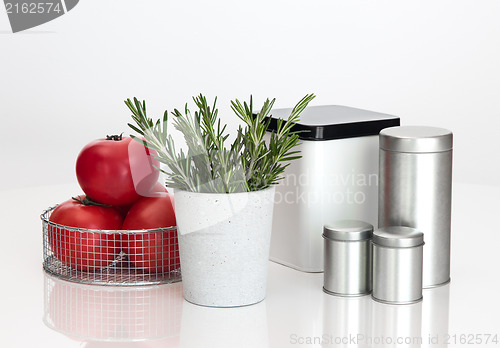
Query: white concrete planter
{"x":224,"y":246}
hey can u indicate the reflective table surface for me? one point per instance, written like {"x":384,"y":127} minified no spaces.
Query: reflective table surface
{"x":39,"y":310}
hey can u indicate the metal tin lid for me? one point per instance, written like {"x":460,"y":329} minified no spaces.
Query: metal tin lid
{"x":417,"y":139}
{"x":328,"y":122}
{"x":398,"y":237}
{"x":348,"y":230}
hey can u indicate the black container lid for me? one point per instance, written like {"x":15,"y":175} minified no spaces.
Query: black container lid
{"x":328,"y":122}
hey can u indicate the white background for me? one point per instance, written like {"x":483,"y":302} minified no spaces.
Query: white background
{"x":62,"y":84}
{"x":431,"y":62}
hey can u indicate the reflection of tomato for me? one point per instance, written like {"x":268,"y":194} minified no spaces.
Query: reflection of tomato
{"x":154,"y":312}
{"x":84,"y":250}
{"x":92,"y":312}
{"x":84,"y":311}
{"x":116,"y":171}
{"x":153,"y":251}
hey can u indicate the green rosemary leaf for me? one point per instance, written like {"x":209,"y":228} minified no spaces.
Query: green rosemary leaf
{"x":135,"y":129}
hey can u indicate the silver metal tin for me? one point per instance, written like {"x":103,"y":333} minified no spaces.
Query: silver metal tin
{"x":347,"y":258}
{"x":397,"y":265}
{"x":415,"y":180}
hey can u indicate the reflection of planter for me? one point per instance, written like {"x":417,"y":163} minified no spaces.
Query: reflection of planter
{"x":224,"y":246}
{"x":242,"y":327}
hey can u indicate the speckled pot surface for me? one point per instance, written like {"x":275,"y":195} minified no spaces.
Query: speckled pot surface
{"x":224,"y":244}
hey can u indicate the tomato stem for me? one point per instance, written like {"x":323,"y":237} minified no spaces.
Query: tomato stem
{"x":115,"y":137}
{"x":88,"y":201}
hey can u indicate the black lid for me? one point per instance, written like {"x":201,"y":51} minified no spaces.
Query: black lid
{"x":328,"y":122}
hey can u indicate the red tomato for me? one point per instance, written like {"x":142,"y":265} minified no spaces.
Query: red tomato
{"x":158,"y":190}
{"x":116,"y":171}
{"x":84,"y":250}
{"x":153,"y":252}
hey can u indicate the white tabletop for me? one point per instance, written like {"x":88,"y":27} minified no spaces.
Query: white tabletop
{"x":41,"y":311}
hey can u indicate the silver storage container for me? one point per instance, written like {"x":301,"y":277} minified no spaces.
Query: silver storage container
{"x":397,"y":265}
{"x":347,"y":258}
{"x":336,"y":178}
{"x":415,"y":191}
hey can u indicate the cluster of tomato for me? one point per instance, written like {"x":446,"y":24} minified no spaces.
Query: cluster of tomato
{"x":124,"y":200}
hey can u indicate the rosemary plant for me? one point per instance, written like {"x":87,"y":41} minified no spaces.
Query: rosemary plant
{"x":210,"y":165}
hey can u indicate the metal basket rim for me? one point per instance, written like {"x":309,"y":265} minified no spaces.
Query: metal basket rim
{"x":145,"y":284}
{"x":108,"y":286}
{"x":45,"y":219}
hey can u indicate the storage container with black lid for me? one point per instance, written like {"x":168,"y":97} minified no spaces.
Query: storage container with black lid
{"x":336,"y":179}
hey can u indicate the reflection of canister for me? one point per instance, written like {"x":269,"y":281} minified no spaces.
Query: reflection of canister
{"x":397,"y":265}
{"x":435,"y":315}
{"x":347,"y":258}
{"x":345,"y":317}
{"x":397,"y":326}
{"x":415,"y":191}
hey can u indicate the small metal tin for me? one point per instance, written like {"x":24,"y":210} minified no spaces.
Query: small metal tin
{"x":397,"y":265}
{"x":415,"y":183}
{"x":347,"y":258}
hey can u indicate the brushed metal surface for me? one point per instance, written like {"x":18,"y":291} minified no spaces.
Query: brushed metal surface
{"x":398,"y":237}
{"x":417,"y":139}
{"x":348,"y":267}
{"x":397,"y":274}
{"x":348,"y":230}
{"x":415,"y":191}
{"x":319,"y":189}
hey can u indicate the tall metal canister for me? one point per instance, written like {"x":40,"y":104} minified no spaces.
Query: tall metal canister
{"x":415,"y":172}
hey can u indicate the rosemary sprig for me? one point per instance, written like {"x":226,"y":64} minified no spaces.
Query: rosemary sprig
{"x":248,"y":164}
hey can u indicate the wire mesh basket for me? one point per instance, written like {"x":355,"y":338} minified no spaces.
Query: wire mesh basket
{"x":117,"y":257}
